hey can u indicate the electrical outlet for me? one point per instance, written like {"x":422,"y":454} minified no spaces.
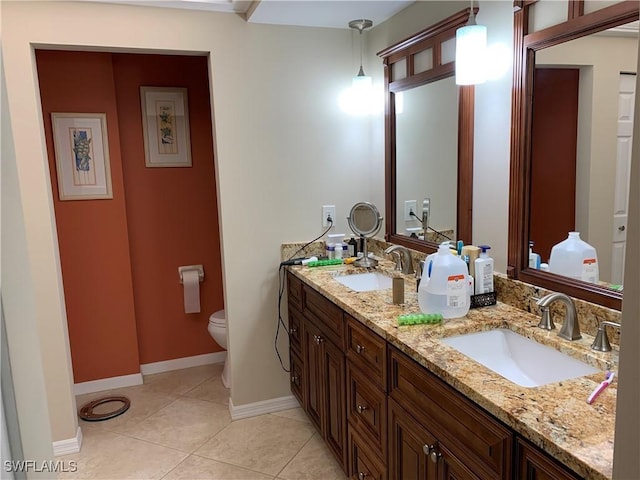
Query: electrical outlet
{"x":410,"y":206}
{"x":328,"y":210}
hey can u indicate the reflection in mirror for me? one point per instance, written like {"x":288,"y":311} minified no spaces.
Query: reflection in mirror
{"x":594,"y":172}
{"x":583,"y":99}
{"x":365,"y":221}
{"x":427,"y":159}
{"x":428,"y":141}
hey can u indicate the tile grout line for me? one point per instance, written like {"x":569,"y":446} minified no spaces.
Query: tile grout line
{"x":296,"y":454}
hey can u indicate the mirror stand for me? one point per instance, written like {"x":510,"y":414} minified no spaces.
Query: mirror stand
{"x":365,"y":261}
{"x":365,"y":221}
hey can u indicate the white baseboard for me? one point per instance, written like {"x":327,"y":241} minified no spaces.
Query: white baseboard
{"x":259,"y":408}
{"x":66,"y":447}
{"x":180,"y":363}
{"x":107,"y":384}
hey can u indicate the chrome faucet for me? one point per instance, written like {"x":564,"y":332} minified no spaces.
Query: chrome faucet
{"x":601,"y":342}
{"x":570,"y":327}
{"x":404,"y":261}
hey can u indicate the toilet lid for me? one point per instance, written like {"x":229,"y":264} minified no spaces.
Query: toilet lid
{"x":218,"y":318}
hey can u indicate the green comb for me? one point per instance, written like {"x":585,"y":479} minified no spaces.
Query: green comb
{"x":419,"y":318}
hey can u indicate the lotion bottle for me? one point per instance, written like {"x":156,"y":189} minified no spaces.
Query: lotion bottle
{"x":484,"y":271}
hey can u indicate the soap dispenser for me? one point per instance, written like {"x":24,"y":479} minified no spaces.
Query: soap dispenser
{"x":484,"y":271}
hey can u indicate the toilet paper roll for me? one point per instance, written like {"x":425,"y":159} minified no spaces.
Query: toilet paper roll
{"x":191,"y":284}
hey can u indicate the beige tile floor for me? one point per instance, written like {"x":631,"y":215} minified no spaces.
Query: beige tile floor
{"x":179,"y":427}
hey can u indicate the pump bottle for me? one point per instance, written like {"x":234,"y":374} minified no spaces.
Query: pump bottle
{"x":484,"y":271}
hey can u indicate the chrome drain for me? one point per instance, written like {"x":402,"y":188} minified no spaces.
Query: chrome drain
{"x":86,"y":412}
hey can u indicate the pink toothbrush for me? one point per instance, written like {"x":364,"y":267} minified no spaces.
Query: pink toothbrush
{"x":600,"y":388}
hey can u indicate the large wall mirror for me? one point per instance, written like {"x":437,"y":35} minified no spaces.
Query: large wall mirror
{"x":572,"y":121}
{"x":428,"y":139}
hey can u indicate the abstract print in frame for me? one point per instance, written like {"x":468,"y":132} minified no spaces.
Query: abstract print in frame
{"x":165,"y":124}
{"x":82,"y":156}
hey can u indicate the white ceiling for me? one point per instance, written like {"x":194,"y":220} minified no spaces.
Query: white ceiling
{"x":325,"y":13}
{"x":311,"y":13}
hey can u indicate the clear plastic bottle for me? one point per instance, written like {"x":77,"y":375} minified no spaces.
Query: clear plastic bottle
{"x":575,"y":258}
{"x":445,"y":288}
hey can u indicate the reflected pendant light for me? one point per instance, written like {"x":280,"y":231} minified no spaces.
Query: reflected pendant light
{"x":361,"y":81}
{"x":471,"y":45}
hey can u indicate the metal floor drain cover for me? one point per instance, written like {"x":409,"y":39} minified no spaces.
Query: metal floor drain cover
{"x":86,"y":412}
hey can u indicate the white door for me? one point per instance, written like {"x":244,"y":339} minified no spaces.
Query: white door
{"x":626,"y":100}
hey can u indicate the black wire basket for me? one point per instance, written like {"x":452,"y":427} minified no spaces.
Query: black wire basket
{"x":483,"y":299}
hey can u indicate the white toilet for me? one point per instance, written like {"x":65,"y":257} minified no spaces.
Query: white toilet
{"x":218,"y":330}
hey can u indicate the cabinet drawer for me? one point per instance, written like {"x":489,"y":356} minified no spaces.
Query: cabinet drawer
{"x":367,"y":409}
{"x":295,"y":330}
{"x":297,"y":378}
{"x":294,"y":290}
{"x":329,"y":314}
{"x":367,"y":350}
{"x":363,"y":463}
{"x":480,"y":441}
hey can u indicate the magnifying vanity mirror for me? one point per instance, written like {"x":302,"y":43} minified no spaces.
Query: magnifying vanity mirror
{"x":572,"y":120}
{"x":428,"y":140}
{"x":365,"y":221}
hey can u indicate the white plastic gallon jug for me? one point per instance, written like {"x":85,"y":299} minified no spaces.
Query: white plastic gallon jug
{"x":445,"y":289}
{"x":575,"y":258}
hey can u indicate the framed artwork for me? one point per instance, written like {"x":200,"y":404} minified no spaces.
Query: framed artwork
{"x":82,"y":156}
{"x":165,"y":123}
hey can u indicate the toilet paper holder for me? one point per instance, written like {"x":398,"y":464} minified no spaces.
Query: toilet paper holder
{"x":186,"y":268}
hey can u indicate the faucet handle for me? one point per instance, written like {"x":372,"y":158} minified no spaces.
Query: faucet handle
{"x":601,"y":342}
{"x":546,"y":322}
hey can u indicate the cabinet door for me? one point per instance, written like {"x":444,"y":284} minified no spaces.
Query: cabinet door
{"x":534,"y":464}
{"x":335,"y":413}
{"x":409,"y":447}
{"x":313,"y":370}
{"x":297,"y":377}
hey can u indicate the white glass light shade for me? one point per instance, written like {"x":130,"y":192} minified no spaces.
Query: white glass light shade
{"x":361,"y":82}
{"x":471,"y":45}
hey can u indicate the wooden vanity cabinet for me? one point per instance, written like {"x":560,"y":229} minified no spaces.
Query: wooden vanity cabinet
{"x":385,"y":416}
{"x":366,"y":401}
{"x":323,"y":370}
{"x":467,"y":440}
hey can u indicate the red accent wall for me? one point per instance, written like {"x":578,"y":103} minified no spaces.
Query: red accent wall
{"x":92,"y":234}
{"x":120,"y":257}
{"x":172,"y":213}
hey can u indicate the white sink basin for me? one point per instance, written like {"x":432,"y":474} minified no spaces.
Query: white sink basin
{"x":519,"y":359}
{"x":365,"y":282}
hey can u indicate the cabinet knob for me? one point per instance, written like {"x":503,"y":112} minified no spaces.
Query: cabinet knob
{"x":318,"y":339}
{"x":293,"y":330}
{"x":622,"y":228}
{"x":435,"y":455}
{"x":427,"y":449}
{"x":361,"y":476}
{"x":295,"y":379}
{"x":361,"y":408}
{"x":359,"y":348}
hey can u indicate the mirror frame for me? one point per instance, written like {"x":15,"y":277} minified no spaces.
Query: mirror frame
{"x":526,"y":44}
{"x":431,"y":37}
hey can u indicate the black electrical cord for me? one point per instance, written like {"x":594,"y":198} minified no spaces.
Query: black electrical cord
{"x":439,"y":233}
{"x":281,"y":290}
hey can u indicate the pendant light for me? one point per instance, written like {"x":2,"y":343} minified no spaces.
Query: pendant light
{"x":471,"y":44}
{"x":361,"y":81}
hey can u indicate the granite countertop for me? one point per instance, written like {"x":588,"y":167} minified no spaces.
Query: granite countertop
{"x":556,"y":417}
